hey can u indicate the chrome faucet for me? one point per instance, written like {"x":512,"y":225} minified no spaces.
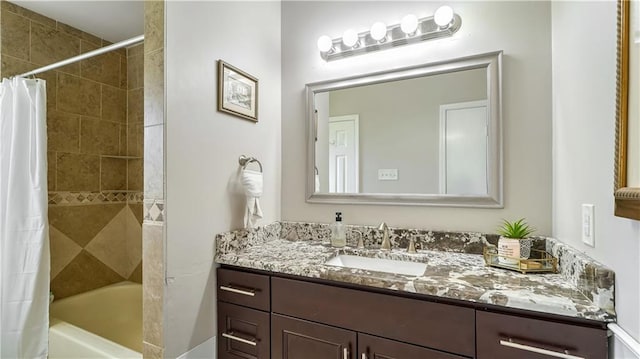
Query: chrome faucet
{"x":386,"y":243}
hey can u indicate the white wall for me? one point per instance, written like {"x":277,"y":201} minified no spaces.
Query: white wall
{"x":584,"y":74}
{"x":203,"y":145}
{"x":521,"y":29}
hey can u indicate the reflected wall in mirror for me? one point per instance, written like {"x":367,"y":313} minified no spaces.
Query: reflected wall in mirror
{"x":424,"y":135}
{"x":627,"y":160}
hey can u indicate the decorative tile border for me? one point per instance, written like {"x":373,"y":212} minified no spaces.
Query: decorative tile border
{"x":63,"y":198}
{"x":135,"y":197}
{"x":153,"y":211}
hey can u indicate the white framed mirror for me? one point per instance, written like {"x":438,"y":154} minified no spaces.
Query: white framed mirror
{"x":425,"y":135}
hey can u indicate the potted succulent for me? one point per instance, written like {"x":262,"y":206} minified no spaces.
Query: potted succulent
{"x":514,"y":241}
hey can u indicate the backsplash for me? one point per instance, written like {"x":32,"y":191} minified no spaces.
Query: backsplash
{"x":462,"y":242}
{"x":595,"y":281}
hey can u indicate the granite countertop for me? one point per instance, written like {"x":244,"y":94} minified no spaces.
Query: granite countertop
{"x":450,"y":274}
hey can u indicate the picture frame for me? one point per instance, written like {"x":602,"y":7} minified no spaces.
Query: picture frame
{"x":237,"y":92}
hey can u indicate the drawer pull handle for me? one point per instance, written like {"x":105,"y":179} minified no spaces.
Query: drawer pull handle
{"x":345,"y":353}
{"x":238,"y":291}
{"x":238,"y":339}
{"x":509,"y":343}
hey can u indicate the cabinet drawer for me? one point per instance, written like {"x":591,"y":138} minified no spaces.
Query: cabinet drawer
{"x":434,"y":325}
{"x":247,"y":289}
{"x":506,"y":336}
{"x":243,"y":332}
{"x":370,"y":347}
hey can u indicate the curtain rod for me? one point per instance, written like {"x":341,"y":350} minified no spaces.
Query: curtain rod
{"x":100,"y":51}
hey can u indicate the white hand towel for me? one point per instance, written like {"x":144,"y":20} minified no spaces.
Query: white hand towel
{"x":317,"y":183}
{"x":252,"y":182}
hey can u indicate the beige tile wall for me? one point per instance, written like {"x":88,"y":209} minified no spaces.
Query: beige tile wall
{"x":94,"y":111}
{"x":154,"y":233}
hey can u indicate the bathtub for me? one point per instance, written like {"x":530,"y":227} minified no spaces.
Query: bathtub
{"x":102,"y":323}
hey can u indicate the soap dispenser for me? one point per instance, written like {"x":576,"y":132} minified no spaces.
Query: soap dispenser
{"x":338,"y":235}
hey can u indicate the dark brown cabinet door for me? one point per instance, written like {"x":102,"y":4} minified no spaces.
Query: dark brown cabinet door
{"x":242,"y":332}
{"x":501,"y":336}
{"x":299,"y":339}
{"x":370,"y":347}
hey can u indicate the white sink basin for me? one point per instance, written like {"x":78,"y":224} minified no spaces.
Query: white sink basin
{"x":378,"y":264}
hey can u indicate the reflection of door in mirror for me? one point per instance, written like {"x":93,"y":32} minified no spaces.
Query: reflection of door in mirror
{"x":343,"y":154}
{"x":463,"y":148}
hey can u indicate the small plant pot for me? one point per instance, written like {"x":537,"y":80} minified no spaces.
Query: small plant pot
{"x":510,"y":249}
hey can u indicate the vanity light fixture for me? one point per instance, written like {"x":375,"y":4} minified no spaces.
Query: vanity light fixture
{"x":409,"y":24}
{"x":350,"y":38}
{"x":378,"y":31}
{"x":324,"y":43}
{"x":443,"y":16}
{"x":444,"y":23}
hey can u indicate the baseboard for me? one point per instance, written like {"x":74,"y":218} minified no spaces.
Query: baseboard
{"x":206,"y":350}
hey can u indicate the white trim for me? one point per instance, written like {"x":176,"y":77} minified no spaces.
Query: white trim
{"x":625,"y":338}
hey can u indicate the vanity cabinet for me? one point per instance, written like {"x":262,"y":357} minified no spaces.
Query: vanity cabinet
{"x":438,"y":326}
{"x":242,"y":332}
{"x":244,"y":323}
{"x":508,"y":336}
{"x":265,"y":316}
{"x":371,"y":347}
{"x":294,"y":338}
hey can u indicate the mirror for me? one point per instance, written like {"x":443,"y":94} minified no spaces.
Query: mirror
{"x":425,"y":135}
{"x":627,"y":170}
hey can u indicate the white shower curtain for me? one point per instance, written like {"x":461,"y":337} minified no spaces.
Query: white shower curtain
{"x":24,"y":227}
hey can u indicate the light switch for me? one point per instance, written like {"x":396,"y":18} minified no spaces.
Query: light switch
{"x":389,"y":174}
{"x":588,"y":235}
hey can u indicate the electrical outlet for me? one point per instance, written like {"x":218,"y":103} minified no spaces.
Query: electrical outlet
{"x":388,"y":174}
{"x":588,"y":233}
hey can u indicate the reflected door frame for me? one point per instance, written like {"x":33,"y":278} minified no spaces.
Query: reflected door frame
{"x":352,"y":172}
{"x":442,"y":167}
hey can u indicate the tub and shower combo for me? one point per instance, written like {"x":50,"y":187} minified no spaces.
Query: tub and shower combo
{"x":102,"y":323}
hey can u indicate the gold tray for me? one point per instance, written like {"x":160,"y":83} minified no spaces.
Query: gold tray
{"x":540,"y":261}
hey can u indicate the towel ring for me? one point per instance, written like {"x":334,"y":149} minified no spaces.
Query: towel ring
{"x":244,"y":161}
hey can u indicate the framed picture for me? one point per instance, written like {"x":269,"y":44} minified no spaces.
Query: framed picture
{"x":237,"y":92}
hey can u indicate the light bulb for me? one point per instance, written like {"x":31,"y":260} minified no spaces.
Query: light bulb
{"x":350,"y":38}
{"x":378,"y":31}
{"x":443,"y":16}
{"x":409,"y":24}
{"x":324,"y":43}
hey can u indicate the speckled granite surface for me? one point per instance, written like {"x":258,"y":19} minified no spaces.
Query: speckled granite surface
{"x":455,"y":268}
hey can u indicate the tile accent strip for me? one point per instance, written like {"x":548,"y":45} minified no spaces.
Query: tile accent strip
{"x":59,"y":198}
{"x":153,"y":211}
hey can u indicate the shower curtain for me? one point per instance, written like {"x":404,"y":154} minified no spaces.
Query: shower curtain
{"x":24,"y":227}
